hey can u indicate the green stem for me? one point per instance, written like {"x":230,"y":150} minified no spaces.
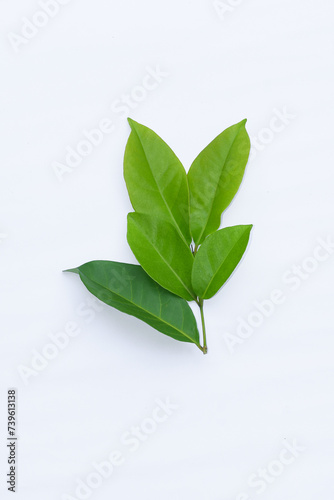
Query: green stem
{"x":205,"y":347}
{"x":199,"y":302}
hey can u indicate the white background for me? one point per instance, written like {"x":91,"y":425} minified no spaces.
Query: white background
{"x":236,"y":410}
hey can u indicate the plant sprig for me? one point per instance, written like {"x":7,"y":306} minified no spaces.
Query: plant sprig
{"x":174,"y":232}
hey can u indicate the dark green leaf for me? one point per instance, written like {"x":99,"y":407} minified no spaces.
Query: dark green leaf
{"x":162,"y":253}
{"x":214,"y":178}
{"x":129,"y":289}
{"x":156,"y":179}
{"x":217,"y":258}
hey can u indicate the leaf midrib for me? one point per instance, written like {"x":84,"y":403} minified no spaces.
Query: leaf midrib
{"x":141,"y":308}
{"x":221,"y":265}
{"x":162,"y":196}
{"x":156,"y":249}
{"x":216,"y":189}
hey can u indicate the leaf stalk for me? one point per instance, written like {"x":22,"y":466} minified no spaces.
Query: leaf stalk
{"x":205,"y":347}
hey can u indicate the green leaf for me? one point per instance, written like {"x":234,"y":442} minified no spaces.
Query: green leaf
{"x":156,"y":179}
{"x":217,"y":258}
{"x":129,"y":289}
{"x":162,"y":253}
{"x":214,"y":178}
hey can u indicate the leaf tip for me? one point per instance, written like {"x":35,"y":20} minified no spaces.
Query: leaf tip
{"x":131,"y":122}
{"x":74,"y":270}
{"x":249,"y":228}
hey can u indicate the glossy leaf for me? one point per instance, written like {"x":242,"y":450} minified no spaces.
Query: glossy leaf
{"x":162,"y":253}
{"x":217,"y":258}
{"x":155,"y":179}
{"x":214,"y":178}
{"x":129,"y":289}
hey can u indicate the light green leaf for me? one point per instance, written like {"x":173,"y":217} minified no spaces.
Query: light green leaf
{"x":156,"y":179}
{"x":129,"y":289}
{"x":162,"y":253}
{"x":217,"y":258}
{"x":214,"y":178}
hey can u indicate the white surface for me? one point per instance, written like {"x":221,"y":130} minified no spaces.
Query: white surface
{"x":235,"y":411}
